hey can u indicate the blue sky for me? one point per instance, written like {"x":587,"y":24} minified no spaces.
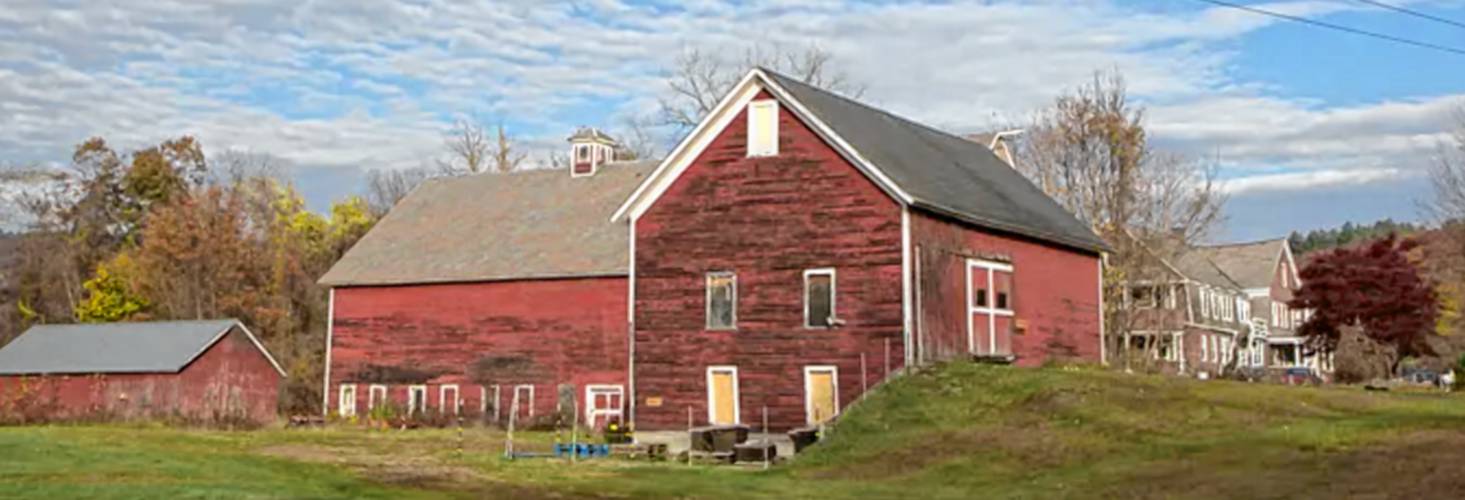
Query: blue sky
{"x":1311,"y":127}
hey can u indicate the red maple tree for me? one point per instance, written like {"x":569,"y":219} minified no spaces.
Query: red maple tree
{"x":1374,"y":287}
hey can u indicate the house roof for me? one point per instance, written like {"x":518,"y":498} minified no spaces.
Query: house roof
{"x":519,"y":225}
{"x":1251,"y":264}
{"x":142,"y":347}
{"x":944,"y":173}
{"x":1199,"y":267}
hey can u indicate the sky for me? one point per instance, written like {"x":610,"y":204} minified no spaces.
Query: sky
{"x":1310,"y":127}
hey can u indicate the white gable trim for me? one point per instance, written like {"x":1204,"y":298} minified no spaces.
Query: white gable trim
{"x":726,"y":110}
{"x":251,"y":338}
{"x":1291,"y":264}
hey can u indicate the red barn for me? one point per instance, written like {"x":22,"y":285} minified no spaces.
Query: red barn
{"x":207,"y":371}
{"x":795,"y":249}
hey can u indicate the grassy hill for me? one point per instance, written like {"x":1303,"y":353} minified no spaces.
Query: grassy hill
{"x":959,"y":431}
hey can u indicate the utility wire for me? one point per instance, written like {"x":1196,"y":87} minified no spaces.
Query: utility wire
{"x":1338,"y":27}
{"x":1414,"y":13}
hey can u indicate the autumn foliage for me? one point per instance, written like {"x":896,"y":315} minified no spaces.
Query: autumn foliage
{"x":1374,"y":287}
{"x":157,"y":235}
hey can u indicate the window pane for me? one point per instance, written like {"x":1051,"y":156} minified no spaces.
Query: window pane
{"x":979,"y":287}
{"x":721,"y":300}
{"x":1002,"y":284}
{"x":819,"y":296}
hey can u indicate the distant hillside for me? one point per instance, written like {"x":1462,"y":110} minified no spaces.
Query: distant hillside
{"x":18,"y":182}
{"x":1347,"y":234}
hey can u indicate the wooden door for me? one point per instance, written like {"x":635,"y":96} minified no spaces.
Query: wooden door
{"x":822,"y":394}
{"x":722,"y":396}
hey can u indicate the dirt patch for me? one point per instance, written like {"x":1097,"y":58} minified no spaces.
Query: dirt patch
{"x":1420,"y":465}
{"x":410,"y":470}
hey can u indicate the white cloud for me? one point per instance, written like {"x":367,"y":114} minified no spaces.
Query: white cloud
{"x":372,"y":84}
{"x":1299,"y":181}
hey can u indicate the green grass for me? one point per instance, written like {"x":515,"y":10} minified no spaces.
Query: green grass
{"x":960,"y":431}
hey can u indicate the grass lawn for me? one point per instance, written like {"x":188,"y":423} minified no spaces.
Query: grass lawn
{"x":960,"y":431}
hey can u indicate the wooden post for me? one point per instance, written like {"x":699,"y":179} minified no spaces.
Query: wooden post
{"x":864,"y":377}
{"x":689,"y":436}
{"x":887,"y":360}
{"x":460,"y":437}
{"x":513,"y":418}
{"x":766,"y":439}
{"x":575,"y":431}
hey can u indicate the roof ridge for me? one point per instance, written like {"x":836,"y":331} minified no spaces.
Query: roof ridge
{"x":949,"y":135}
{"x":1245,"y":243}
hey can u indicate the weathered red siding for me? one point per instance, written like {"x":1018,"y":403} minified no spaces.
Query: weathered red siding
{"x":767,"y":220}
{"x":229,"y":381}
{"x":1055,"y":292}
{"x":543,"y":333}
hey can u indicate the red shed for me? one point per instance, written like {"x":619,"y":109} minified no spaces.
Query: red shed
{"x":208,"y":371}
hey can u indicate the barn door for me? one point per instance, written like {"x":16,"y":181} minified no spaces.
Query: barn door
{"x":821,"y":394}
{"x":722,"y":395}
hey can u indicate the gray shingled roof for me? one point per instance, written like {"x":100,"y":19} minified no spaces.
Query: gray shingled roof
{"x":1197,"y":266}
{"x":946,"y":174}
{"x":142,"y":347}
{"x":1252,"y":264}
{"x":520,"y":225}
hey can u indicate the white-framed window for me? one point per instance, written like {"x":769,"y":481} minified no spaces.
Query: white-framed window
{"x":346,"y":405}
{"x":819,"y":298}
{"x":1205,"y":347}
{"x":1205,"y":303}
{"x":523,"y":401}
{"x":448,"y":399}
{"x":376,"y":395}
{"x":603,"y":402}
{"x":722,"y":301}
{"x":763,"y":128}
{"x":416,"y":399}
{"x":989,"y":295}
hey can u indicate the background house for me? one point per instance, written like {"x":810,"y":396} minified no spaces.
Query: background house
{"x":210,"y":371}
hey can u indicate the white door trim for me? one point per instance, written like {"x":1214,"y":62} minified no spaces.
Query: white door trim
{"x":736,"y":395}
{"x":809,"y":370}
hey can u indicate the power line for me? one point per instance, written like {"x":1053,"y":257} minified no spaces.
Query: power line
{"x":1414,"y":13}
{"x":1338,"y":27}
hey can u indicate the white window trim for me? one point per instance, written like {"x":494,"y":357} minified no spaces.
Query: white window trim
{"x":1205,"y":348}
{"x":772,"y":106}
{"x":412,"y":408}
{"x":736,"y":396}
{"x":809,"y":371}
{"x":530,"y":387}
{"x":707,"y":283}
{"x":342,"y":408}
{"x":990,"y":309}
{"x":833,"y":296}
{"x":372,"y":400}
{"x":591,"y":413}
{"x":442,"y":397}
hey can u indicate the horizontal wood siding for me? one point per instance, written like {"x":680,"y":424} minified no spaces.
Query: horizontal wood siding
{"x":1055,"y":291}
{"x":538,"y":332}
{"x":231,"y":381}
{"x":767,"y":220}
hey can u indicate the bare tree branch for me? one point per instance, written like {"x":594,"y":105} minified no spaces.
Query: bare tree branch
{"x":700,"y":77}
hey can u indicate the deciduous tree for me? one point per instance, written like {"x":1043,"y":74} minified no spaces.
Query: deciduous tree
{"x":1375,"y":288}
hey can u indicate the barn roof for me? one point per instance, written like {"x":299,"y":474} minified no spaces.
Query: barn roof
{"x":942,"y":172}
{"x":141,"y":347}
{"x":520,"y":225}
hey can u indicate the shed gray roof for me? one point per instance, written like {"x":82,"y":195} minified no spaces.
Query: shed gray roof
{"x":520,"y":225}
{"x":142,"y":347}
{"x":944,"y":173}
{"x":1252,"y":265}
{"x":1198,"y":266}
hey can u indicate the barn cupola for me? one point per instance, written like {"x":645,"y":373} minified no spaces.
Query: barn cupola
{"x":589,"y":149}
